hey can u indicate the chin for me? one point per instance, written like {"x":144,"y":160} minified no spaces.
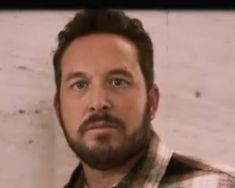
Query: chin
{"x":103,"y":144}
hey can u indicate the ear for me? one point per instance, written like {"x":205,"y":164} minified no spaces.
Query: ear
{"x":154,"y":99}
{"x":56,"y":104}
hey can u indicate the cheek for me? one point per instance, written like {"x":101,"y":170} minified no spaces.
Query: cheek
{"x":71,"y":115}
{"x":132,"y":110}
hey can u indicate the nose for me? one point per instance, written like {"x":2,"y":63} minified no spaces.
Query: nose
{"x":99,"y":100}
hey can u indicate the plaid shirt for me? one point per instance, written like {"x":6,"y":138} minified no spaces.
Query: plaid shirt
{"x":162,"y":168}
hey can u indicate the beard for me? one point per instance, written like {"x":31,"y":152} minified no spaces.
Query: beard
{"x":104,"y":156}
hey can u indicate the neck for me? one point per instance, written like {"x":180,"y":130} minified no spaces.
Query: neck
{"x":105,"y":179}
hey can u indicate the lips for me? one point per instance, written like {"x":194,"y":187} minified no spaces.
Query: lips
{"x":100,"y":125}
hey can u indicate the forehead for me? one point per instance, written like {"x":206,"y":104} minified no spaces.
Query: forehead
{"x":100,"y":52}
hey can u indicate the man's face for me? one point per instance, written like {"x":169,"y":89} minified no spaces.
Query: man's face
{"x":103,"y":105}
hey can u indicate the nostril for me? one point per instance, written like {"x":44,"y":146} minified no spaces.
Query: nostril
{"x":99,"y":108}
{"x":105,"y":107}
{"x":92,"y":109}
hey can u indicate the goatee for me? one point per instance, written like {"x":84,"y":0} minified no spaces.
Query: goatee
{"x":106,"y":157}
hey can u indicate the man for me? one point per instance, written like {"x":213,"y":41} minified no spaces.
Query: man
{"x":105,"y":101}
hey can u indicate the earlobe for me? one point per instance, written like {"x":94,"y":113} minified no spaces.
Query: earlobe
{"x":154,"y":99}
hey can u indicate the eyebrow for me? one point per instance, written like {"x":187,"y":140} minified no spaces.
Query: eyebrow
{"x":121,"y":71}
{"x":73,"y":75}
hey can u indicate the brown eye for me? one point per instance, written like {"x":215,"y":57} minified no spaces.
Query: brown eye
{"x":118,"y":82}
{"x":79,"y":85}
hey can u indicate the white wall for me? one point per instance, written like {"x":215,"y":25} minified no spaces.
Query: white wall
{"x":195,"y":71}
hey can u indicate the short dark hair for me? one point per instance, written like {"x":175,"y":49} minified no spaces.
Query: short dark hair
{"x":107,"y":21}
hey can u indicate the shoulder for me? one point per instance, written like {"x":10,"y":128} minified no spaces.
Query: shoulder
{"x":184,"y":171}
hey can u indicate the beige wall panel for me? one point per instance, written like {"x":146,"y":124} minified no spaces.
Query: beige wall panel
{"x":197,"y":107}
{"x":195,"y":70}
{"x":27,"y":136}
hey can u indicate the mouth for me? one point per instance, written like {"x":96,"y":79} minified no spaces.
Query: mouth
{"x":101,"y":125}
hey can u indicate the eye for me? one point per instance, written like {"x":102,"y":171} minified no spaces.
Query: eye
{"x":80,"y":84}
{"x":118,"y":82}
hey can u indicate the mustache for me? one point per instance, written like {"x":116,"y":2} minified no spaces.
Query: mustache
{"x":107,"y":118}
